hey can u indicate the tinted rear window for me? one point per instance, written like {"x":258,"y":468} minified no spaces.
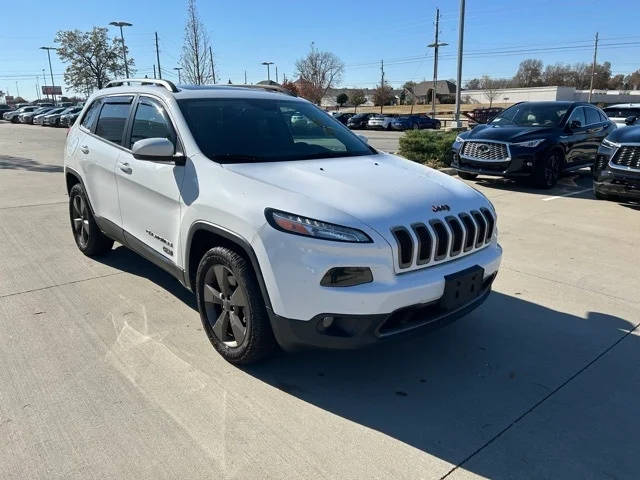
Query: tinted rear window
{"x":111,"y":122}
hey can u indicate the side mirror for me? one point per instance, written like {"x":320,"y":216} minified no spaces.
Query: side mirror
{"x":575,"y":124}
{"x":364,"y":139}
{"x":630,"y":120}
{"x":153,"y":149}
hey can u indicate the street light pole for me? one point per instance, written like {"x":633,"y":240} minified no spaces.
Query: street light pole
{"x":459,"y":74}
{"x":48,"y":49}
{"x":44,"y":82}
{"x":179,"y":76}
{"x":124,"y":49}
{"x":593,"y":67}
{"x":435,"y":45}
{"x":268,"y":64}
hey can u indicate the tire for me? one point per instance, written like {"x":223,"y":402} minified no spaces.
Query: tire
{"x":547,"y":172}
{"x":232,"y":309}
{"x":389,"y":127}
{"x":601,"y":196}
{"x":415,"y":126}
{"x":467,"y":176}
{"x":89,"y":239}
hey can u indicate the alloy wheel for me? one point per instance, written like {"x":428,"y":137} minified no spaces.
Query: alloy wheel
{"x":80,"y":217}
{"x":226,"y":305}
{"x":551,"y":169}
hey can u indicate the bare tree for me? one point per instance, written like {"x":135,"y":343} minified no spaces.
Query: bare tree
{"x":318,"y":72}
{"x":490,"y":88}
{"x":196,"y":59}
{"x":529,"y":73}
{"x":410,"y":87}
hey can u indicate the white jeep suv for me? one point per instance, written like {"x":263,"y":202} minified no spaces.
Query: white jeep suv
{"x":290,"y":233}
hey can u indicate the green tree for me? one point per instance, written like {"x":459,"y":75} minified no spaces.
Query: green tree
{"x":358,"y":98}
{"x":342,"y":99}
{"x":91,"y":57}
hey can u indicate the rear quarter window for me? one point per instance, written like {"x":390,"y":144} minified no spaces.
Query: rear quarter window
{"x":90,"y":115}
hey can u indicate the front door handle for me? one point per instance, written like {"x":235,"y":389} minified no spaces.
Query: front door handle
{"x":84,"y":149}
{"x":124,"y":166}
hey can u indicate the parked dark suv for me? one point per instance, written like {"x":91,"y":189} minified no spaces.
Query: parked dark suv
{"x":414,"y":122}
{"x":617,"y":169}
{"x":359,"y":121}
{"x":536,"y":140}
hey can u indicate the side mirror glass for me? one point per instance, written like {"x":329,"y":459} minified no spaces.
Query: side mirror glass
{"x":153,"y":149}
{"x":630,"y":120}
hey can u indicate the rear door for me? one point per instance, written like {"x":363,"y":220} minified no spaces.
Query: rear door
{"x":149,"y":191}
{"x":99,"y":147}
{"x":577,"y":140}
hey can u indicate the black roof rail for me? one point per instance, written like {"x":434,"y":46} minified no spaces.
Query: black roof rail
{"x":143,"y":81}
{"x":273,"y":88}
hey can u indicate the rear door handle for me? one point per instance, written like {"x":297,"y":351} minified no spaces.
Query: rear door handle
{"x":84,"y":149}
{"x":124,"y":166}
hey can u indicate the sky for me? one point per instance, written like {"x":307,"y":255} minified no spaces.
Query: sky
{"x":498,"y":35}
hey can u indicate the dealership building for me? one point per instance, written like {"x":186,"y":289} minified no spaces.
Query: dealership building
{"x":514,"y":95}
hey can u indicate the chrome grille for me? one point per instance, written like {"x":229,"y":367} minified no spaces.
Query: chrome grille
{"x":440,"y":240}
{"x":490,"y":151}
{"x":627,"y":156}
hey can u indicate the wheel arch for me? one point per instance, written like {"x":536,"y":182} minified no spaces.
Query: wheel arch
{"x":202,"y":236}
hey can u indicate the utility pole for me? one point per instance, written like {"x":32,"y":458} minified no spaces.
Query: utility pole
{"x":382,"y":84}
{"x":593,"y":67}
{"x":245,"y":77}
{"x":38,"y":87}
{"x":124,"y":49}
{"x":154,"y":71}
{"x":158,"y":58}
{"x":277,"y":74}
{"x":48,"y":49}
{"x":435,"y":45}
{"x":17,"y":89}
{"x":44,"y":78}
{"x":213,"y":72}
{"x":179,"y":76}
{"x":459,"y":74}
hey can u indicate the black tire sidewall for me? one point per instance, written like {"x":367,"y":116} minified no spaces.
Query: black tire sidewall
{"x":97,"y":242}
{"x":258,"y":342}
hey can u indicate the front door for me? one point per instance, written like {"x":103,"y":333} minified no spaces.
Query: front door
{"x":149,"y":191}
{"x":577,"y":139}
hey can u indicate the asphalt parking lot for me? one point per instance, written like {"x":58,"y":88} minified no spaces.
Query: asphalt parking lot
{"x":387,"y":141}
{"x":106,"y":372}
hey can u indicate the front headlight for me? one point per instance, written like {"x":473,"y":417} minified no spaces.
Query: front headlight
{"x":530,"y":143}
{"x":308,"y":227}
{"x":610,"y":144}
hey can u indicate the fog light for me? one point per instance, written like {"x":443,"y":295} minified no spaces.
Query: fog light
{"x":327,"y":322}
{"x":529,"y":164}
{"x":346,"y":277}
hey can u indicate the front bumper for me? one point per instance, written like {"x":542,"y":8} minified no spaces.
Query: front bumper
{"x":616,"y":182}
{"x":521,"y":162}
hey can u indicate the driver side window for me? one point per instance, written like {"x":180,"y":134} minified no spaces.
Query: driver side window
{"x":577,"y":114}
{"x":151,"y":121}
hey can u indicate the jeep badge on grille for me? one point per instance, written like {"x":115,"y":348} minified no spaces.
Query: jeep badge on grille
{"x":440,"y":208}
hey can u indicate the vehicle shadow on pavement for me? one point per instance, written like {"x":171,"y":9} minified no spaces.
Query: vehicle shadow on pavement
{"x":126,"y":260}
{"x":7,"y":162}
{"x":451,"y":392}
{"x":567,"y":183}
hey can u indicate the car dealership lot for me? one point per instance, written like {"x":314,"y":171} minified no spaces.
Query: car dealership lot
{"x":107,"y":372}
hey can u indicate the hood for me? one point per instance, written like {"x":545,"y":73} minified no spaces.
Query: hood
{"x":507,"y":133}
{"x":630,"y":134}
{"x":382,"y":191}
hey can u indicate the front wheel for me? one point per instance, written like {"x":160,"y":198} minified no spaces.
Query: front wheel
{"x":467,"y":176}
{"x":232,"y":309}
{"x":547,"y":171}
{"x":89,"y":239}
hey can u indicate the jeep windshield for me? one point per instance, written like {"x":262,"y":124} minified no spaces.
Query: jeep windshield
{"x":532,"y":115}
{"x":235,"y":130}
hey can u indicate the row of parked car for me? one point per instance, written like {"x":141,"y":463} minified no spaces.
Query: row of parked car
{"x":539,"y":141}
{"x":377,"y":121}
{"x":44,"y":114}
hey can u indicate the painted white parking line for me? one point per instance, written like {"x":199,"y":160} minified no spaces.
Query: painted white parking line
{"x":566,"y":194}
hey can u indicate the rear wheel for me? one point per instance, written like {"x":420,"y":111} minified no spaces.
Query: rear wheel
{"x":467,"y":176}
{"x":547,"y":171}
{"x":232,"y":309}
{"x":89,"y":239}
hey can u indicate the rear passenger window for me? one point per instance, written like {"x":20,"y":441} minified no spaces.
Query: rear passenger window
{"x":111,"y":122}
{"x":90,"y":116}
{"x":577,"y":114}
{"x":151,"y":121}
{"x":592,"y":116}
